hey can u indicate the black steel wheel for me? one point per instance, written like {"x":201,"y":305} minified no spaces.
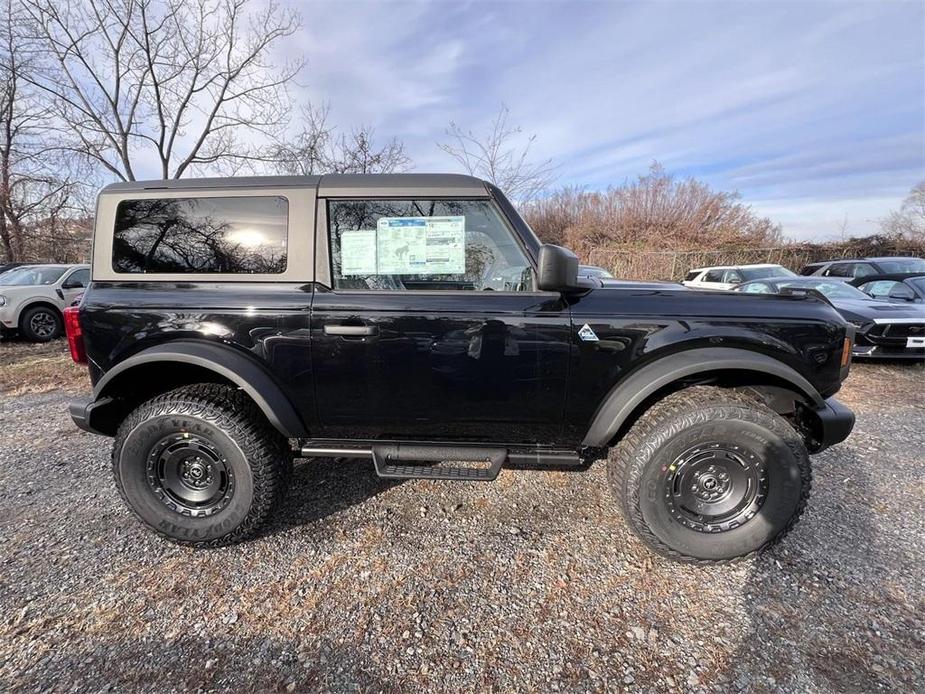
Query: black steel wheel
{"x":40,"y":324}
{"x":189,"y":474}
{"x":714,"y":487}
{"x":201,"y":465}
{"x":710,"y":475}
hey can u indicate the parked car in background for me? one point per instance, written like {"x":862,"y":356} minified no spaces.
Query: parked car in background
{"x":729,"y":276}
{"x":863,"y":267}
{"x":33,"y":298}
{"x":593,"y":271}
{"x":908,"y":286}
{"x":883,"y":329}
{"x":4,"y":267}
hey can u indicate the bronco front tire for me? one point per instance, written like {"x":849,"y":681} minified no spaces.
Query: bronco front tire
{"x":710,"y":475}
{"x":200,"y":465}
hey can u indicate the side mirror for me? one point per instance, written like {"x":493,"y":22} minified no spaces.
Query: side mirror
{"x":904,"y":294}
{"x":557,"y":269}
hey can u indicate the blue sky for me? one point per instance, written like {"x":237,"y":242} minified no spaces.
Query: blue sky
{"x":814,"y":111}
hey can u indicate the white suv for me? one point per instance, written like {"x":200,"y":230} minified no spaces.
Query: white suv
{"x":33,"y":297}
{"x":729,"y":276}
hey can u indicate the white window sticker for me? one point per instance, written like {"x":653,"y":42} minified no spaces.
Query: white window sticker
{"x":358,"y":252}
{"x":421,"y":245}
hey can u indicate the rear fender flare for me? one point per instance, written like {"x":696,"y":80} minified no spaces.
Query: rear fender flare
{"x":240,"y":369}
{"x":632,"y":391}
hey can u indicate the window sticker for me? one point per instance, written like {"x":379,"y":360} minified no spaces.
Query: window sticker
{"x":421,"y":245}
{"x":358,"y":252}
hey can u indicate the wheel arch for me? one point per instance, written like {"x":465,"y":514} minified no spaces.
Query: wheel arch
{"x":163,"y":367}
{"x":34,"y":303}
{"x":781,"y":386}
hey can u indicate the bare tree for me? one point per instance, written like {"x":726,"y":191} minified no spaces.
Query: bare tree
{"x":39,"y":189}
{"x":498,"y":157}
{"x":908,"y":223}
{"x":177,"y":81}
{"x":318,"y":148}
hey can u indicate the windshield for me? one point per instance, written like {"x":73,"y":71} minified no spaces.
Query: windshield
{"x":32,"y":275}
{"x":902,"y":265}
{"x":760,"y":273}
{"x":831,"y":289}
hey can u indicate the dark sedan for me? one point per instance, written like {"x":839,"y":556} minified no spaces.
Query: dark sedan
{"x":884,"y":329}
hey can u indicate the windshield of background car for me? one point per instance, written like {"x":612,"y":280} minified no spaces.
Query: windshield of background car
{"x":831,"y":290}
{"x":902,"y":265}
{"x":31,"y":275}
{"x":760,"y":273}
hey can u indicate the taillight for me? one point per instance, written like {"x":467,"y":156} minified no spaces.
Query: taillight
{"x":75,"y":335}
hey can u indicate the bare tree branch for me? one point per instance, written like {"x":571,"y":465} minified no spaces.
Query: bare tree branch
{"x":131,"y":79}
{"x":317,"y":148}
{"x":498,"y":158}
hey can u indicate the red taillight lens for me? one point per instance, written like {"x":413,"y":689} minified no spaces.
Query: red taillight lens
{"x":75,"y":336}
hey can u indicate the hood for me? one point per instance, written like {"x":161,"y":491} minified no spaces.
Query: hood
{"x":878,"y":309}
{"x":646,"y":300}
{"x":639,"y":284}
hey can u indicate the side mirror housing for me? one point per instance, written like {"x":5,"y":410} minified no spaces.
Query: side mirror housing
{"x":557,"y":269}
{"x":904,"y":294}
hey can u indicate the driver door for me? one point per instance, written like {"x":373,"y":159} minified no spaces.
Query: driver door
{"x":432,"y":329}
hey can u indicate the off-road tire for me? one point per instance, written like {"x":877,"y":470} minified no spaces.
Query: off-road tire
{"x":256,"y":457}
{"x":49,"y":316}
{"x":640,"y":472}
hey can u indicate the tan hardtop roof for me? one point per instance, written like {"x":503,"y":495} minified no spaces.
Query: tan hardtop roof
{"x":328,"y":185}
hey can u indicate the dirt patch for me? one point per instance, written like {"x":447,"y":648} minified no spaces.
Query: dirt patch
{"x":27,"y":367}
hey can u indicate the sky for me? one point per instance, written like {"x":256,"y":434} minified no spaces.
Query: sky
{"x":813,"y":111}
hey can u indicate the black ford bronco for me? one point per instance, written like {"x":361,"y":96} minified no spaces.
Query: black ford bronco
{"x":232,"y":325}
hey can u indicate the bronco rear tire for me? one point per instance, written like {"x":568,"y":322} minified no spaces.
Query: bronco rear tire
{"x":200,"y":465}
{"x":710,"y":475}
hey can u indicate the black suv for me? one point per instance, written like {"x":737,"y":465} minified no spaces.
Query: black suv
{"x":232,"y":325}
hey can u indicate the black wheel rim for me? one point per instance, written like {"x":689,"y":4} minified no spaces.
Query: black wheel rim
{"x":189,"y":475}
{"x":715,"y":487}
{"x":43,"y":324}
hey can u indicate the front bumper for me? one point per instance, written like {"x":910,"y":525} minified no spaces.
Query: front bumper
{"x":832,"y":424}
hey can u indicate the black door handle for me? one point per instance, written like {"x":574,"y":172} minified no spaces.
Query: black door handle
{"x":351,"y":330}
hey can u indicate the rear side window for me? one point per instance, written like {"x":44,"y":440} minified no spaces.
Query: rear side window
{"x":714,"y":276}
{"x":211,"y":235}
{"x":691,"y":276}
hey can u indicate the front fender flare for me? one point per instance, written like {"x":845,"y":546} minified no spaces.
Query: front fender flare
{"x":240,"y":369}
{"x":632,"y":390}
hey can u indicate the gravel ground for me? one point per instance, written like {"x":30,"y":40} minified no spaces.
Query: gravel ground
{"x":530,"y":583}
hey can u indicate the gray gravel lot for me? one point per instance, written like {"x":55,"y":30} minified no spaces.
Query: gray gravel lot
{"x":530,"y":583}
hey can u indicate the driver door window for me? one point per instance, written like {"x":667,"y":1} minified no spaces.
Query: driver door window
{"x":415,"y":245}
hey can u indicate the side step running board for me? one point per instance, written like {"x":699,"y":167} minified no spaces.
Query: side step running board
{"x":428,"y":461}
{"x":425,"y":462}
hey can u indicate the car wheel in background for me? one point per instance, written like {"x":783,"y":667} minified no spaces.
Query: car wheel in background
{"x":40,"y":324}
{"x":710,"y":475}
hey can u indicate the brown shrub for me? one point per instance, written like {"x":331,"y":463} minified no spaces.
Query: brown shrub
{"x":655,"y":211}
